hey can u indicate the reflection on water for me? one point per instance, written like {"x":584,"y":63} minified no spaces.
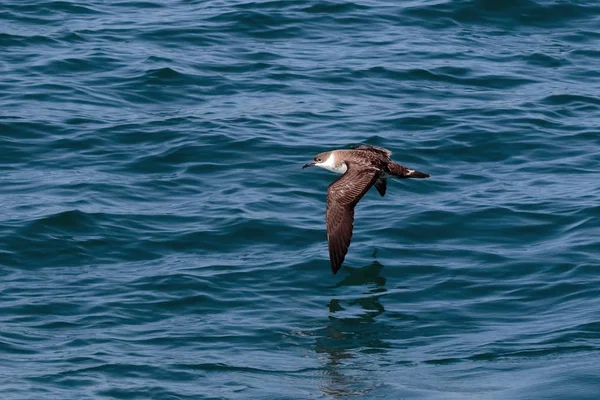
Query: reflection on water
{"x":351,"y":342}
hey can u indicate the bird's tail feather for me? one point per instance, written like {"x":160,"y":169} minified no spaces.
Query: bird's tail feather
{"x":418,"y":174}
{"x":400,"y":171}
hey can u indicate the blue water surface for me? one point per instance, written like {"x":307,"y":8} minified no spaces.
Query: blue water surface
{"x":159,"y":239}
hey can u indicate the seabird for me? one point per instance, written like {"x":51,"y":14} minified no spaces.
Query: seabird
{"x":362,"y":167}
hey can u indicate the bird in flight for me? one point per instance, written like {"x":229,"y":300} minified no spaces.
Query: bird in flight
{"x":362,"y":167}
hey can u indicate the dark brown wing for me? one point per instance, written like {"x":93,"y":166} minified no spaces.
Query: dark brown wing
{"x":381,"y":185}
{"x":342,"y":196}
{"x":374,"y":149}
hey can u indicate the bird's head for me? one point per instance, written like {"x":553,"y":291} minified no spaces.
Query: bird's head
{"x":320,"y":160}
{"x":330,"y":160}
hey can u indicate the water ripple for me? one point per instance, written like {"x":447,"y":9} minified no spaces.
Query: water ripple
{"x":158,"y":230}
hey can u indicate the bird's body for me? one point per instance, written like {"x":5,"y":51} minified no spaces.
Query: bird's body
{"x":362,"y":167}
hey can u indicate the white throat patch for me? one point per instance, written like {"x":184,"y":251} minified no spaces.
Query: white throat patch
{"x":329,"y":164}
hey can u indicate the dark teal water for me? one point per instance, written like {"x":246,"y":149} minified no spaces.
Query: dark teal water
{"x":158,"y":239}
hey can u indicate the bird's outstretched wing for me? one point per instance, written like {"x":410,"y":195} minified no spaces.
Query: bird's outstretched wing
{"x":381,"y":185}
{"x":342,"y":196}
{"x":374,"y":149}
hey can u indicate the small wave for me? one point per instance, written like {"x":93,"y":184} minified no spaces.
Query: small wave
{"x":563,"y":99}
{"x":504,"y":13}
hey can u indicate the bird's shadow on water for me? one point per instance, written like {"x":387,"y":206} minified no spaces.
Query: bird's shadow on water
{"x":369,"y":274}
{"x":353,"y":335}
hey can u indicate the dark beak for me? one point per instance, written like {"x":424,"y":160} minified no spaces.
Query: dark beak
{"x":310,"y":164}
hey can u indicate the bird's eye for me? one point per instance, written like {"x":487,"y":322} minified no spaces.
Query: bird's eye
{"x":317,"y":159}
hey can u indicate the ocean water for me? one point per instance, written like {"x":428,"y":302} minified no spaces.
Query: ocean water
{"x":159,"y":239}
